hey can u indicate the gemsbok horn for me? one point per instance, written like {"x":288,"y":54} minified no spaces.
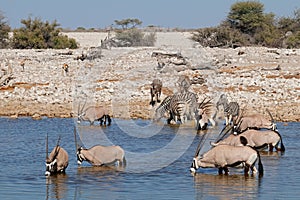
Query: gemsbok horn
{"x":58,"y":159}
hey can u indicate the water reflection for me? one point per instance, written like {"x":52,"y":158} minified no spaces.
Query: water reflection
{"x":226,"y":187}
{"x":56,"y":186}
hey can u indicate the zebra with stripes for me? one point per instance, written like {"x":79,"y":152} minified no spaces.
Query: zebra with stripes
{"x":206,"y":112}
{"x":231,"y":109}
{"x":164,"y":108}
{"x":181,"y":107}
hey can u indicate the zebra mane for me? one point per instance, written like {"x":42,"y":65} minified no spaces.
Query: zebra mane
{"x":206,"y":105}
{"x":163,"y":106}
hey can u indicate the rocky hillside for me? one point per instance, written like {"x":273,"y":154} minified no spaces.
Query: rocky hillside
{"x":34,"y":84}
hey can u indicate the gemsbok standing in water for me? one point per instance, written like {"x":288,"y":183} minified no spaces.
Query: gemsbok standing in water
{"x":254,"y":121}
{"x":101,"y":155}
{"x":57,"y":161}
{"x":155,"y":91}
{"x":254,"y":138}
{"x":225,"y":156}
{"x":231,"y":109}
{"x":94,"y":113}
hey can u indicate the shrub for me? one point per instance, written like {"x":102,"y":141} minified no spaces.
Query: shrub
{"x":134,"y":37}
{"x":222,"y":36}
{"x":4,"y":30}
{"x":40,"y":35}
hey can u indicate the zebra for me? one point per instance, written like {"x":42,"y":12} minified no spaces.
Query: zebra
{"x":231,"y":109}
{"x":206,"y":112}
{"x":181,"y":107}
{"x":163,"y":108}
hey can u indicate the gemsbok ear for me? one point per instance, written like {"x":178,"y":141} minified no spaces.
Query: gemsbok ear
{"x":243,"y":140}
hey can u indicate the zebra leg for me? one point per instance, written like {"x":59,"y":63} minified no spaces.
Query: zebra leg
{"x":229,"y":119}
{"x":213,"y":122}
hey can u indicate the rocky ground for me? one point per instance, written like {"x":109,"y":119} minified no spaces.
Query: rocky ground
{"x":256,"y":77}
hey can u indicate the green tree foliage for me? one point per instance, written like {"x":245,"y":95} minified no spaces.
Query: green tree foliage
{"x":128,"y":23}
{"x":4,"y":30}
{"x":40,"y":35}
{"x":130,"y":35}
{"x":246,"y":16}
{"x":247,"y":24}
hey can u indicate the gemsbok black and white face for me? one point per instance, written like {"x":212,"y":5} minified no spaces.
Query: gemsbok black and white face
{"x":80,"y":156}
{"x":57,"y":161}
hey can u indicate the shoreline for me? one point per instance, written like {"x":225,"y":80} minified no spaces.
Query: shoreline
{"x":258,"y":78}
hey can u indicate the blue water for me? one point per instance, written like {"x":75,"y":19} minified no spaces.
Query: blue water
{"x":158,"y":160}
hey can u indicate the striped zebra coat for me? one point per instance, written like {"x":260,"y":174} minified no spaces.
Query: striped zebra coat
{"x":231,"y":109}
{"x":180,"y":107}
{"x":206,"y":112}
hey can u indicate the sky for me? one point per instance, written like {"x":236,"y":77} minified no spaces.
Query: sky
{"x":189,"y":14}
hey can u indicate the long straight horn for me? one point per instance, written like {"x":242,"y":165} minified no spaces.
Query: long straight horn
{"x":83,"y":105}
{"x":272,"y":119}
{"x":47,"y":146}
{"x":75,"y":140}
{"x":222,"y":135}
{"x":56,"y":147}
{"x":200,"y":145}
{"x":78,"y":109}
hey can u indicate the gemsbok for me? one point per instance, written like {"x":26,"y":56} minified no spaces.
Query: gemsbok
{"x":155,"y":91}
{"x":254,"y":121}
{"x":94,"y":113}
{"x":225,"y":156}
{"x":101,"y":155}
{"x":254,"y":138}
{"x":57,"y":161}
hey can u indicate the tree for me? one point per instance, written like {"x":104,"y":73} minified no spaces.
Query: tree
{"x":130,"y":35}
{"x":246,"y":16}
{"x":4,"y":30}
{"x":124,"y":23}
{"x":40,"y":35}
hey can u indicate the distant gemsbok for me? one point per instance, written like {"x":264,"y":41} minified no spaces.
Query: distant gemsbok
{"x":155,"y":91}
{"x":93,"y":113}
{"x":57,"y":161}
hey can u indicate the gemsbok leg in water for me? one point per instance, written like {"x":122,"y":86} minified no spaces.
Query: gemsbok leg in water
{"x":57,"y":161}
